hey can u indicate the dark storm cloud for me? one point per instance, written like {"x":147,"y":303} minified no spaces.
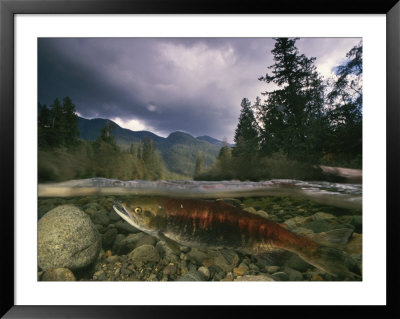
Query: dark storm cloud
{"x":161,"y":84}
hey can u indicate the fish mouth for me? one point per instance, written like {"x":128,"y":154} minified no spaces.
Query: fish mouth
{"x":121,"y":211}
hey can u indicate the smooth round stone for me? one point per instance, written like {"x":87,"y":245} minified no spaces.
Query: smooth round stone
{"x":280,"y":276}
{"x":272,"y":269}
{"x":145,"y":253}
{"x":204,"y":271}
{"x":58,"y":274}
{"x":67,"y":238}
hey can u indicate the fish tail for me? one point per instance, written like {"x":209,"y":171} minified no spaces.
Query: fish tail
{"x":333,"y":261}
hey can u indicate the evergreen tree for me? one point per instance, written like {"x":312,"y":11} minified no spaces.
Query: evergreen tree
{"x":140,"y":151}
{"x":199,"y":164}
{"x":345,"y":101}
{"x":293,"y":113}
{"x":106,"y":134}
{"x":57,"y":136}
{"x":246,"y":133}
{"x":148,"y":151}
{"x":132,"y":150}
{"x":69,"y":123}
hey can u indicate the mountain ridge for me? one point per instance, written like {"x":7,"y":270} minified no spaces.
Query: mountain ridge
{"x":179,"y":150}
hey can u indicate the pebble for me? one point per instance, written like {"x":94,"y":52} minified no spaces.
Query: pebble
{"x":58,"y":274}
{"x":145,"y":253}
{"x":226,"y":260}
{"x":99,"y":275}
{"x":101,"y":218}
{"x":280,"y":276}
{"x":192,"y":275}
{"x":205,"y":271}
{"x":197,"y":255}
{"x":263,"y":277}
{"x":170,"y":270}
{"x":240,"y":271}
{"x":108,"y":238}
{"x":272,"y":269}
{"x":294,"y":275}
{"x":322,"y":216}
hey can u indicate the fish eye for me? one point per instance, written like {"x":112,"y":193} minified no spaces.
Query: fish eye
{"x":138,"y":210}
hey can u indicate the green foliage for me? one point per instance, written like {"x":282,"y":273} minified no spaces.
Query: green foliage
{"x":259,"y":168}
{"x":292,"y":114}
{"x":101,"y":158}
{"x":246,"y":133}
{"x":297,"y":127}
{"x":344,"y":143}
{"x":57,"y":125}
{"x":199,"y":164}
{"x":106,"y":136}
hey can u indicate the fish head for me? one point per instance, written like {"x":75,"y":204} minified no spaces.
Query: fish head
{"x":145,"y":215}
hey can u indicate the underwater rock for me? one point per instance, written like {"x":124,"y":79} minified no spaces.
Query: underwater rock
{"x":67,"y":238}
{"x":263,"y":277}
{"x":357,"y":223}
{"x":58,"y":274}
{"x":114,"y":217}
{"x":197,"y":255}
{"x":294,"y":275}
{"x":108,"y":238}
{"x":280,"y":276}
{"x":240,"y":271}
{"x":170,"y":270}
{"x":145,"y":239}
{"x":272,"y":269}
{"x":118,"y":247}
{"x":205,"y":271}
{"x":226,"y":260}
{"x":322,"y":216}
{"x":192,"y":275}
{"x":125,"y":228}
{"x":101,"y":218}
{"x":319,"y":226}
{"x":355,"y":244}
{"x":297,"y":221}
{"x":168,"y":252}
{"x":145,"y":253}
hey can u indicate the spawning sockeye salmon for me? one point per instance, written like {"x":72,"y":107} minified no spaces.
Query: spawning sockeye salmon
{"x":217,"y":224}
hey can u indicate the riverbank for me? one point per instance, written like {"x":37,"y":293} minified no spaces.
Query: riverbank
{"x":350,"y":174}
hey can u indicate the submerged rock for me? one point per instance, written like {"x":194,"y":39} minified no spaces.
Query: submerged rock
{"x":263,"y":277}
{"x":58,"y":274}
{"x":145,"y":253}
{"x":67,"y":238}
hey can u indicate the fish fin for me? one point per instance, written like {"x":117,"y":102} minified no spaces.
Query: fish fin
{"x":169,"y":241}
{"x":335,"y":262}
{"x":333,"y":238}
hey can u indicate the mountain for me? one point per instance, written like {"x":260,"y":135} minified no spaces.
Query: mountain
{"x":179,"y":150}
{"x":212,"y":140}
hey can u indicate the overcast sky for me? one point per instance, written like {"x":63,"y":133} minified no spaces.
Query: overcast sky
{"x":164,"y":85}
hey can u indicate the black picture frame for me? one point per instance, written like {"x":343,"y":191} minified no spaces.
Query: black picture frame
{"x":8,"y":10}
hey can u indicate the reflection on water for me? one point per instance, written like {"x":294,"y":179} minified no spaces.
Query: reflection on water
{"x":335,"y":194}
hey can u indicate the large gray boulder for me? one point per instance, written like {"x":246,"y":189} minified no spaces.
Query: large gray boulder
{"x":67,"y":238}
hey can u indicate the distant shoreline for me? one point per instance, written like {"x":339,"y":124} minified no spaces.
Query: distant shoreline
{"x":351,"y":174}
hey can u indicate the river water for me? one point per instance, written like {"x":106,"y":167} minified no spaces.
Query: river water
{"x":305,"y":208}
